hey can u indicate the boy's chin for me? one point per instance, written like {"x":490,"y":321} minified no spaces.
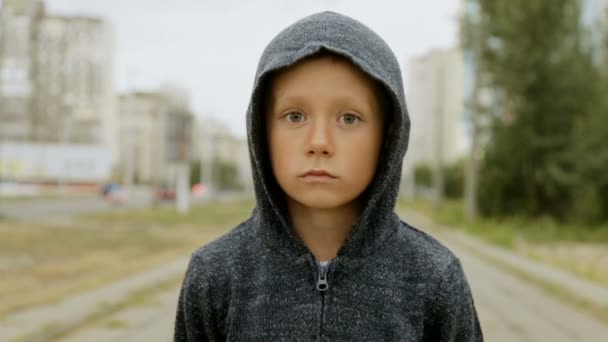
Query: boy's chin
{"x":322,"y":201}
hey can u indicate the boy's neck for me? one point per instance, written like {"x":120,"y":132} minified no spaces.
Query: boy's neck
{"x":323,"y":231}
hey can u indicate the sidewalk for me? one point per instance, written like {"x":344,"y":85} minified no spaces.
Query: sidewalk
{"x":43,"y":323}
{"x":575,"y":286}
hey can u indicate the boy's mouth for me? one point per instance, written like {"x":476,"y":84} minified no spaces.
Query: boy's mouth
{"x":317,"y":175}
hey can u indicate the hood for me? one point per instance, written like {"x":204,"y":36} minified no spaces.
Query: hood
{"x":365,"y":49}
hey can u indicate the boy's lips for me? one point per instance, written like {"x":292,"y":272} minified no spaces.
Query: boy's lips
{"x":317,"y":175}
{"x":317,"y":172}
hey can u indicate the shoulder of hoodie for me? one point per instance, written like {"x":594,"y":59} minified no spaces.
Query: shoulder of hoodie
{"x":227,"y":246}
{"x":213,"y":262}
{"x":417,"y":250}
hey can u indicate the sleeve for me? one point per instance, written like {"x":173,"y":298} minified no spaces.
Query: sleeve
{"x":194,"y":317}
{"x":452,"y":316}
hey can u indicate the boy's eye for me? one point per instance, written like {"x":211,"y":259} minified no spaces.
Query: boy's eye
{"x":295,"y":117}
{"x":349,"y":119}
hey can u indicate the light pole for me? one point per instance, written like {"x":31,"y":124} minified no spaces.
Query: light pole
{"x":208,"y":140}
{"x":66,"y":140}
{"x":472,"y":170}
{"x":184,"y":132}
{"x":440,"y":98}
{"x":130,"y":131}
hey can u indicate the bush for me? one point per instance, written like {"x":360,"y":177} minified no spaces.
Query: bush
{"x":454,"y":180}
{"x":423,"y":175}
{"x":225,"y":175}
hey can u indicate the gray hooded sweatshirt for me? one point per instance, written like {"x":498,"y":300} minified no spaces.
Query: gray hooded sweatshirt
{"x":389,"y":281}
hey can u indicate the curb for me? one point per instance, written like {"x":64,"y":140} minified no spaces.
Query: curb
{"x":571,"y":284}
{"x":56,"y":319}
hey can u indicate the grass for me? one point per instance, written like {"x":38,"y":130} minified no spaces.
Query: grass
{"x":96,"y":249}
{"x":506,"y":232}
{"x":581,"y":250}
{"x":117,"y":324}
{"x":211,"y":214}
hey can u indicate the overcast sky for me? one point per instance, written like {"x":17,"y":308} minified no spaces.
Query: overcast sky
{"x":211,"y":48}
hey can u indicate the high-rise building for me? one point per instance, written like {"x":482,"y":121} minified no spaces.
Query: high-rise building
{"x":155,"y":132}
{"x":436,"y":107}
{"x":74,"y":84}
{"x":57,"y":78}
{"x":19,"y":24}
{"x":214,"y":144}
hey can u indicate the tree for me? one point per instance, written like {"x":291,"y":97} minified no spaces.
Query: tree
{"x":454,"y":179}
{"x":540,"y":71}
{"x":453,"y":173}
{"x":590,"y":152}
{"x":225,"y":175}
{"x":423,"y":175}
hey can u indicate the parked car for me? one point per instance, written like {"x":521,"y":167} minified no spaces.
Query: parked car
{"x":113,"y":193}
{"x":164,"y":193}
{"x":199,"y":190}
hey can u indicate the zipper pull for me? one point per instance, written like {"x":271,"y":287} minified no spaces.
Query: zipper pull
{"x":322,"y":284}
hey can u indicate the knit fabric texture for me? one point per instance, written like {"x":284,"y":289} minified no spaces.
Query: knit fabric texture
{"x":389,"y":281}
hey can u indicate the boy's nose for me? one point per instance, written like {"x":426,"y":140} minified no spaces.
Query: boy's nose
{"x":320,"y":139}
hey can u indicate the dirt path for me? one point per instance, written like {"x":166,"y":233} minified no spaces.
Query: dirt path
{"x":510,"y":310}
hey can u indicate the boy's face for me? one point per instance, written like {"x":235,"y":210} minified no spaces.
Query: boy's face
{"x":324,"y":114}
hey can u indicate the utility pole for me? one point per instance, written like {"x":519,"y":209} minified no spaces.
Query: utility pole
{"x":439,"y":85}
{"x":2,"y":42}
{"x":183,"y":187}
{"x":203,"y":156}
{"x":66,"y":140}
{"x":129,"y":171}
{"x":472,"y":170}
{"x":183,"y":162}
{"x":207,"y":156}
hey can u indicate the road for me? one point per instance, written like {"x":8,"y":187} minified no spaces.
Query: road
{"x":510,"y":310}
{"x":62,"y":208}
{"x":36,"y":209}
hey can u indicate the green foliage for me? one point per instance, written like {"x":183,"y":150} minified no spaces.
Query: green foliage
{"x":423,"y":175}
{"x":454,"y":180}
{"x":505,"y":231}
{"x":195,"y":172}
{"x":539,"y":160}
{"x":590,"y":152}
{"x":225,"y":175}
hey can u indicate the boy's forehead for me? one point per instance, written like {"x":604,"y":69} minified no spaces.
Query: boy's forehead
{"x":276,"y":87}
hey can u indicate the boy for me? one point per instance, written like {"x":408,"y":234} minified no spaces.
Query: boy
{"x":323,"y":256}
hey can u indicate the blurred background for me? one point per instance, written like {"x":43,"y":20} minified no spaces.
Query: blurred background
{"x":123,"y":149}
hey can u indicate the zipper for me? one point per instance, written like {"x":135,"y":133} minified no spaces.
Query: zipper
{"x":322,"y":284}
{"x":322,"y":314}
